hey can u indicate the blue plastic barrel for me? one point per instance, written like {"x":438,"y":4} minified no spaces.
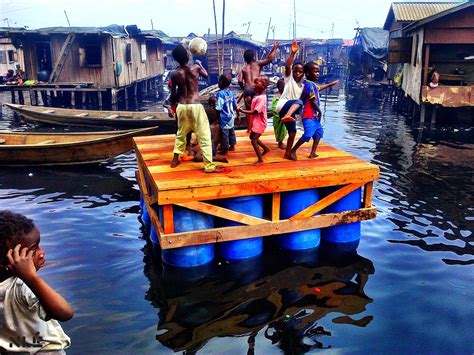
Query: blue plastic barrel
{"x":145,"y":217}
{"x":290,"y":204}
{"x":154,"y":235}
{"x":142,"y":201}
{"x":244,"y":248}
{"x":343,"y":233}
{"x":186,"y":220}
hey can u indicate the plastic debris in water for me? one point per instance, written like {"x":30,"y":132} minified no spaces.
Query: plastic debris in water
{"x":317,"y":289}
{"x":30,"y":174}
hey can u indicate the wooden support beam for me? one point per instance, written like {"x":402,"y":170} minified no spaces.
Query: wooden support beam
{"x":99,"y":98}
{"x":326,"y":201}
{"x":276,"y":198}
{"x":433,"y":116}
{"x":422,"y":115}
{"x":224,"y":234}
{"x":168,"y":219}
{"x":369,"y":187}
{"x":222,"y":213}
{"x":425,"y":66}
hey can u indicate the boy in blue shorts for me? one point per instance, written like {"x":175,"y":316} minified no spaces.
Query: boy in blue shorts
{"x":311,"y":112}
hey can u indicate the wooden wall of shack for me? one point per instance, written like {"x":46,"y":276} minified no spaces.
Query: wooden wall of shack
{"x":444,"y":43}
{"x":102,"y":75}
{"x":232,"y":60}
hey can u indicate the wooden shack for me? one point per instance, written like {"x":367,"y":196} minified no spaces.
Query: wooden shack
{"x":110,"y":59}
{"x":402,"y":14}
{"x":227,"y":53}
{"x":443,"y":42}
{"x":9,"y":55}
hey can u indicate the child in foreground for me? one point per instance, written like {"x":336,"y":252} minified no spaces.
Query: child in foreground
{"x":312,"y":114}
{"x":258,"y":117}
{"x":29,"y":308}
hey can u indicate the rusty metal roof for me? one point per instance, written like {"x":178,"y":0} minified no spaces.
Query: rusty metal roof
{"x":414,"y":11}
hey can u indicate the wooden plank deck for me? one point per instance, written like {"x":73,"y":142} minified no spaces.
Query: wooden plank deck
{"x":188,"y":185}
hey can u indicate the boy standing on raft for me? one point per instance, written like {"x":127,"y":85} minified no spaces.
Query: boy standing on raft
{"x":278,"y":126}
{"x":252,"y":69}
{"x":312,"y":114}
{"x":29,"y":308}
{"x":191,"y":114}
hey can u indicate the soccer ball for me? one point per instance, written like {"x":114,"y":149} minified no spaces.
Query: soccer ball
{"x":198,"y":46}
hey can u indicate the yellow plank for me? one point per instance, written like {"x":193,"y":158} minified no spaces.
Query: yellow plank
{"x":222,"y":213}
{"x":224,"y":234}
{"x":276,"y":206}
{"x":326,"y":201}
{"x":368,"y":194}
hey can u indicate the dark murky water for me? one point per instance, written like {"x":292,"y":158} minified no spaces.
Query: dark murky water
{"x":409,"y":288}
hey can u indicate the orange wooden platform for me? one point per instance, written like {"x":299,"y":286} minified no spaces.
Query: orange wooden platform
{"x":188,"y":186}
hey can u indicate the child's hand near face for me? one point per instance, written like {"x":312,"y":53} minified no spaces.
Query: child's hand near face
{"x":21,"y":262}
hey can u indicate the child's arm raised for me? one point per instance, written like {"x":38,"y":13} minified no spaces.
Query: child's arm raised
{"x":22,"y":265}
{"x":270,"y":57}
{"x":289,"y":61}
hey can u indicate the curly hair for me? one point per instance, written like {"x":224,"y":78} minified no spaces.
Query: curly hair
{"x":180,"y":54}
{"x":12,"y":227}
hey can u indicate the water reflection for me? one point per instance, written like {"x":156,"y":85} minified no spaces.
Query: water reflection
{"x":426,"y":188}
{"x":91,"y":186}
{"x":284,"y":294}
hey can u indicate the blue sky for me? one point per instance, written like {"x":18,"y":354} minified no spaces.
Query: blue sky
{"x":314,"y":18}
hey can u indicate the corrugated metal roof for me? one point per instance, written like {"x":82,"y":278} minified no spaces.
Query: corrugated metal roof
{"x":414,"y":11}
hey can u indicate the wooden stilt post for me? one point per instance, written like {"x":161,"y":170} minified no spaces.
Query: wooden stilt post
{"x":73,"y":99}
{"x":13,"y":96}
{"x":99,"y":98}
{"x":126,"y":93}
{"x":21,"y":99}
{"x":113,"y":96}
{"x":36,"y":97}
{"x":422,"y":115}
{"x":276,"y":206}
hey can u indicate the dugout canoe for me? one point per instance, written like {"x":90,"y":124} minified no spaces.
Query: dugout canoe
{"x":94,"y":118}
{"x":23,"y":148}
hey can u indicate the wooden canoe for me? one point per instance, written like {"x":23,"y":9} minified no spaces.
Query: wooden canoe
{"x":23,"y":148}
{"x":94,"y":118}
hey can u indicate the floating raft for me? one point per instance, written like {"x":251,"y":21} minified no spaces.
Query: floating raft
{"x":165,"y":189}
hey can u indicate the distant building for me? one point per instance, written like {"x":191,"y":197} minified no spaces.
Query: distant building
{"x":228,"y":53}
{"x":402,"y":14}
{"x":443,"y":42}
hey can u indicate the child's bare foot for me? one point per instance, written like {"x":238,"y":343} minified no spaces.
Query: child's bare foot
{"x":219,"y":169}
{"x":174,"y":163}
{"x":287,"y":119}
{"x":222,"y":152}
{"x":231,"y":148}
{"x":293,"y":156}
{"x":281,"y":145}
{"x":259,"y":162}
{"x":287,"y":156}
{"x":265,"y":151}
{"x":313,"y":155}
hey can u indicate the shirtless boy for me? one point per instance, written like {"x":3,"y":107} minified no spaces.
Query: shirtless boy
{"x":191,"y":114}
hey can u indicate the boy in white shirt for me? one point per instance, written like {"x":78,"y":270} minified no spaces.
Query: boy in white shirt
{"x":29,"y":308}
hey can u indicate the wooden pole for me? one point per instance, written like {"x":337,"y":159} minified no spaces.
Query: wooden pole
{"x":223,"y":34}
{"x":427,"y":61}
{"x":217,"y":40}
